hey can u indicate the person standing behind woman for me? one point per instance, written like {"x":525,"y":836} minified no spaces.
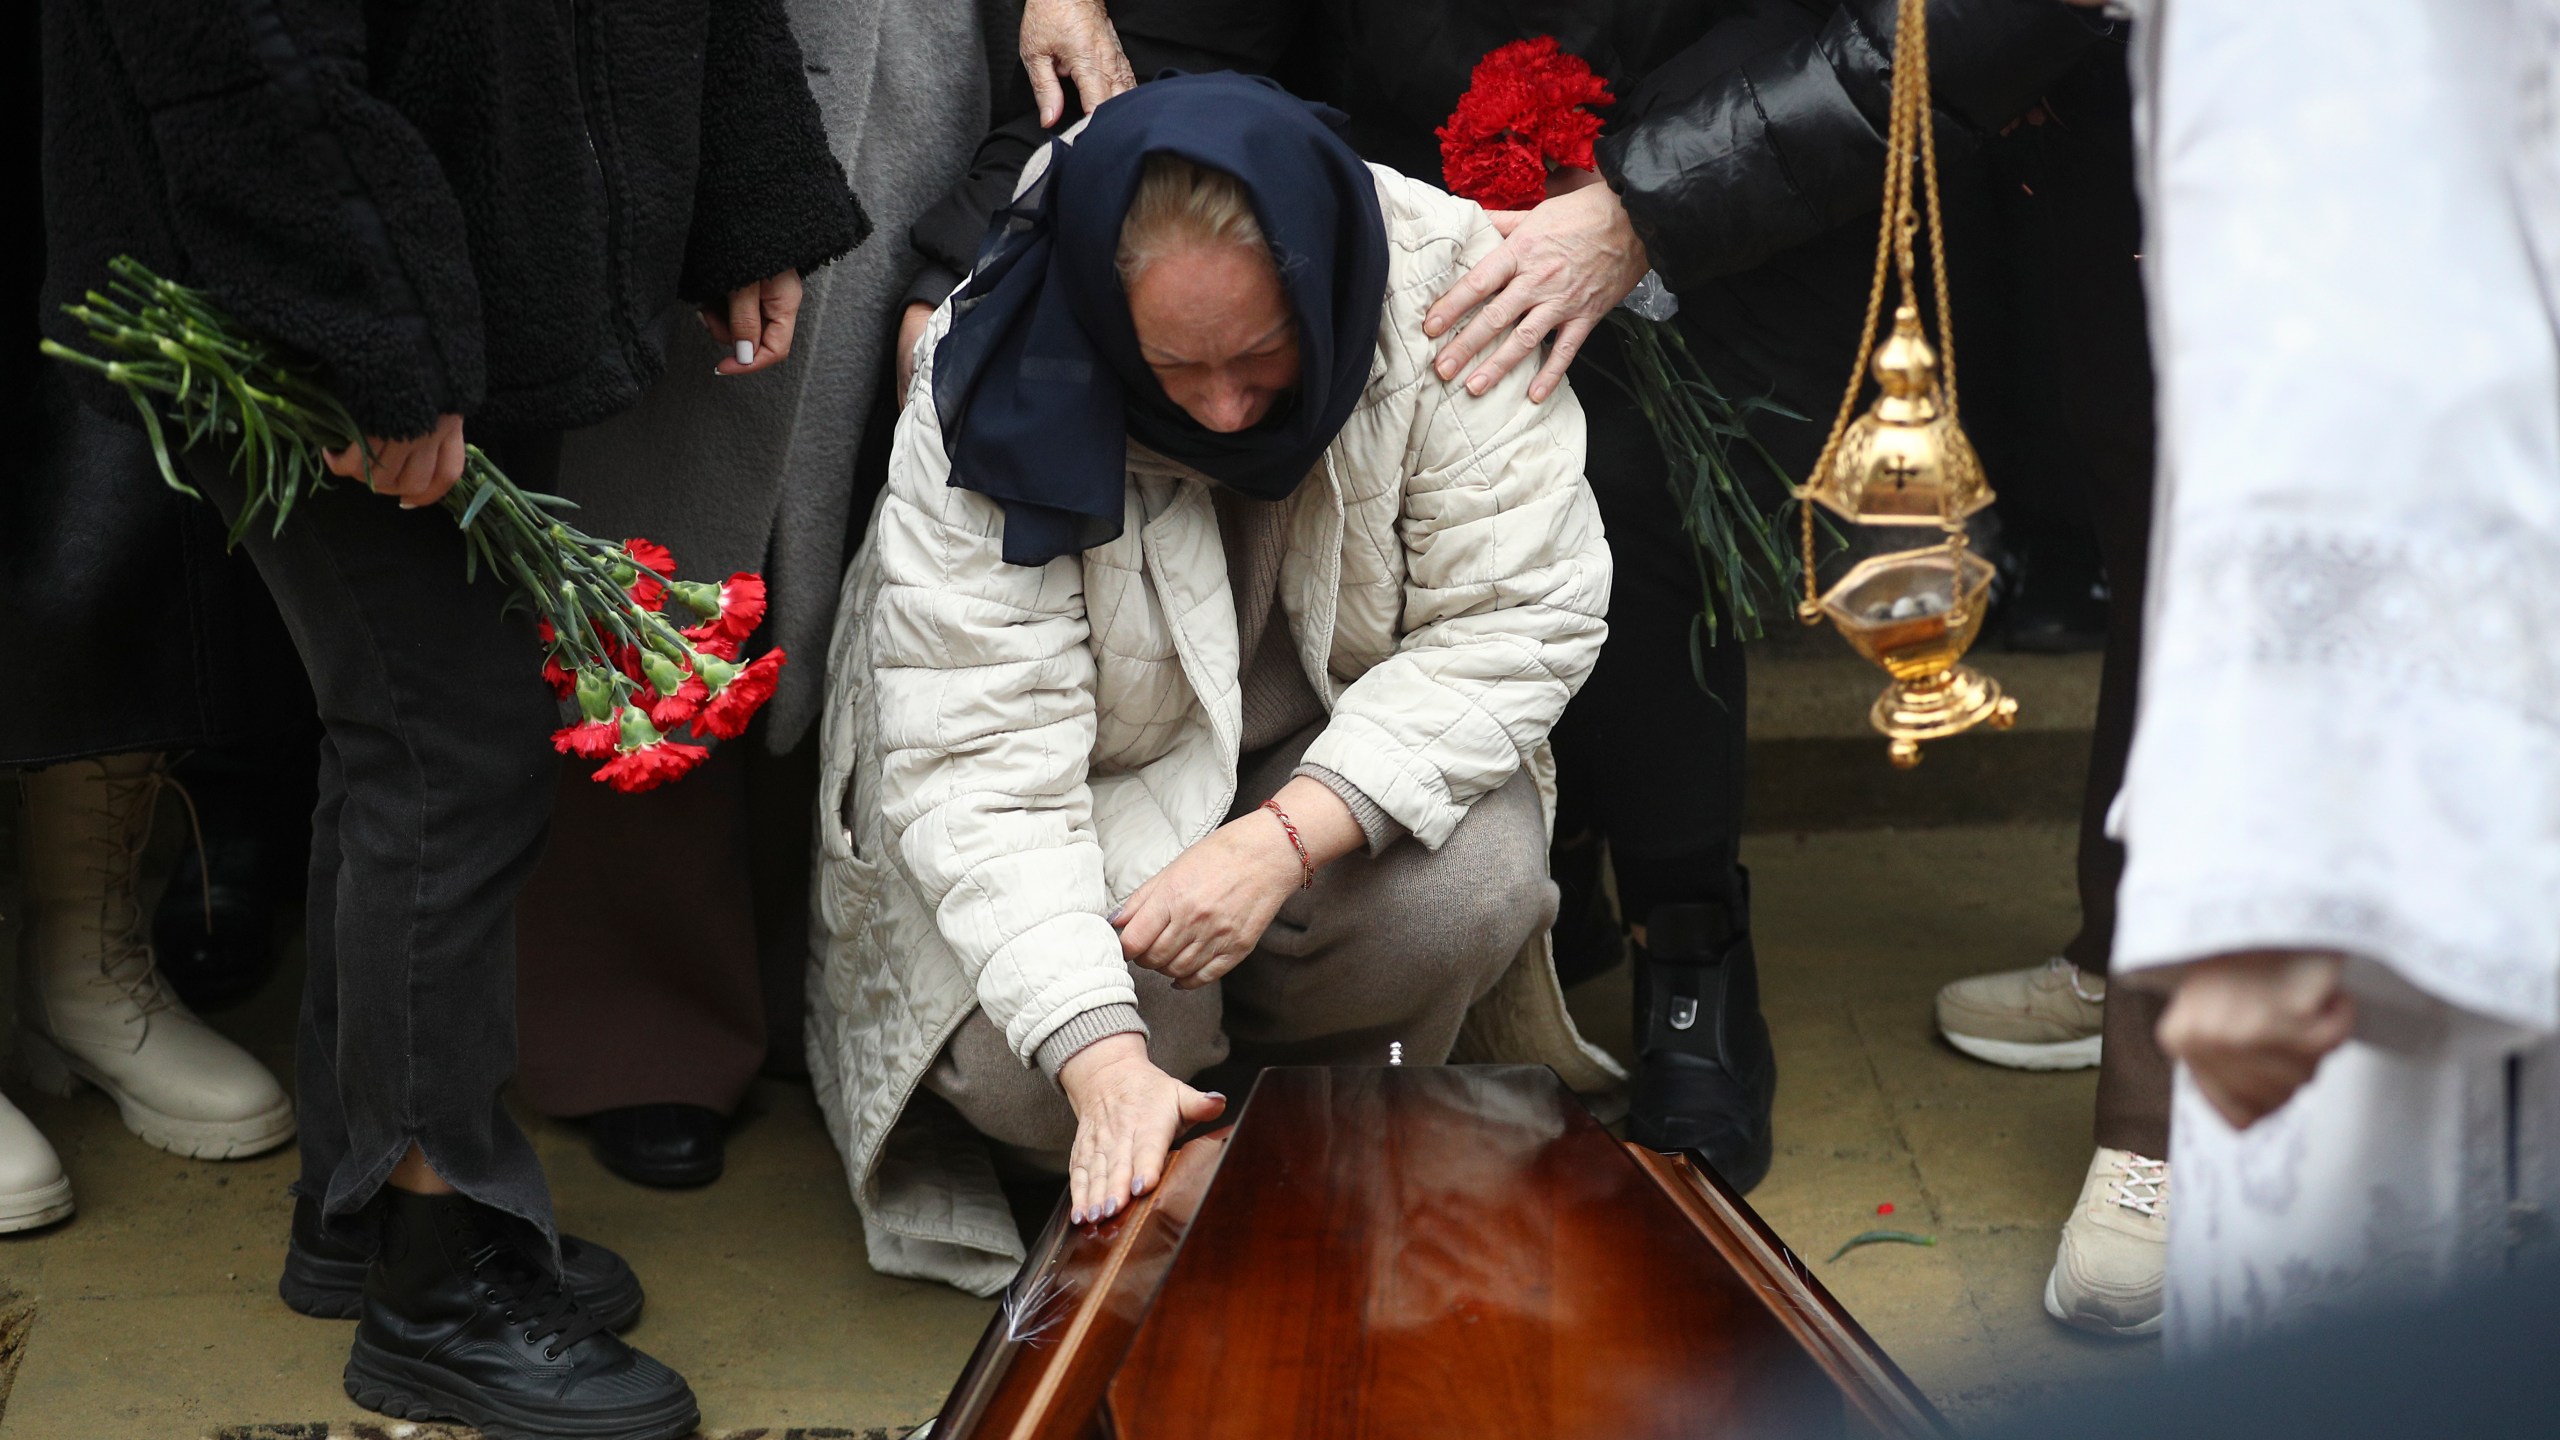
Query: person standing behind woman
{"x":651,"y":1025}
{"x":464,"y":215}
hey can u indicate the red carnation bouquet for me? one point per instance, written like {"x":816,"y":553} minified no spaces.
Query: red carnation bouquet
{"x":1524,"y":115}
{"x":649,"y":685}
{"x":610,"y":642}
{"x":1527,"y":113}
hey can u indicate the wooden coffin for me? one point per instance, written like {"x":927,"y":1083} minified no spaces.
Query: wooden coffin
{"x":1424,"y":1251}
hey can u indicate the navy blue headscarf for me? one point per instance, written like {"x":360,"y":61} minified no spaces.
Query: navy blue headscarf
{"x":1040,"y":385}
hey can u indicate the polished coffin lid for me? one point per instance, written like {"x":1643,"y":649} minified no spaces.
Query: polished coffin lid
{"x":1423,"y":1251}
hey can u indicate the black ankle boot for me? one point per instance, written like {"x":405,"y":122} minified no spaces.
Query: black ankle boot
{"x":462,"y":1322}
{"x":670,"y":1146}
{"x":214,"y":929}
{"x":325,"y":1261}
{"x":1705,"y":1072}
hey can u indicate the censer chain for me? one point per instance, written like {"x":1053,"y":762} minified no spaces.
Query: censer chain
{"x":1908,"y":138}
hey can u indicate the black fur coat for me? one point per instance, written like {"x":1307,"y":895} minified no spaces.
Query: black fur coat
{"x":475,"y":206}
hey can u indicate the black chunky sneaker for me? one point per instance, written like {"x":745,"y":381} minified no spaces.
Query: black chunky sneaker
{"x":461,"y":1322}
{"x":324,"y":1267}
{"x":1705,"y":1072}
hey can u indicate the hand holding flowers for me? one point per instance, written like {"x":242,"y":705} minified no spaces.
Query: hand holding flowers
{"x":610,"y":643}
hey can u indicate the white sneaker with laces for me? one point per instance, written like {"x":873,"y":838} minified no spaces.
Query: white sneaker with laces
{"x":2108,"y":1274}
{"x":91,"y":1004}
{"x":2045,"y":1017}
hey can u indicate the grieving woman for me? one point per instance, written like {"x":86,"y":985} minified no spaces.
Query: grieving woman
{"x":1191,"y":693}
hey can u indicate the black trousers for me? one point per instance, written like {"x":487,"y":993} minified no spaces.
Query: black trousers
{"x":1646,"y":757}
{"x":435,"y":786}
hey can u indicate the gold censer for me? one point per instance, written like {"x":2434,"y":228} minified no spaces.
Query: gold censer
{"x":1905,"y":466}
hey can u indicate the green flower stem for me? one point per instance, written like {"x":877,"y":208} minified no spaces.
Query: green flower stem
{"x":198,"y":379}
{"x":1746,"y":569}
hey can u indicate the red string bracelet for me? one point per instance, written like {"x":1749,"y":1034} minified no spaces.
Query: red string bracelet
{"x":1306,"y":862}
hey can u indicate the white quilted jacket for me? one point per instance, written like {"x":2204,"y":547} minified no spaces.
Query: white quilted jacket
{"x":1010,"y":751}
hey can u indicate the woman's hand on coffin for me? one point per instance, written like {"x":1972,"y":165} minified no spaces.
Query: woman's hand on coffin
{"x":1201,"y":915}
{"x":756,"y":324}
{"x":2253,"y":1028}
{"x":417,"y":470}
{"x":1561,"y":268}
{"x":1127,"y":1114}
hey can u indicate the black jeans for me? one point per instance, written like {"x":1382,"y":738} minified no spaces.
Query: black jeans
{"x":436,"y":778}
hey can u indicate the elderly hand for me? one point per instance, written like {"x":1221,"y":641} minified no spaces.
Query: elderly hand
{"x":2253,"y":1028}
{"x":1074,"y":36}
{"x":1127,"y":1113}
{"x":757,"y":325}
{"x":1198,"y":917}
{"x":1561,"y":267}
{"x":418,"y":469}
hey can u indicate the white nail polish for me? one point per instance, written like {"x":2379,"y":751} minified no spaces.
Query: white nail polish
{"x":746,"y":352}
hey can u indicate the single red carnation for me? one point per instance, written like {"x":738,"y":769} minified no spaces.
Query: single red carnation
{"x":726,"y":715}
{"x":562,"y":679}
{"x":1500,"y":175}
{"x":1565,"y":136}
{"x":669,"y":711}
{"x":650,"y":766}
{"x":588,"y":740}
{"x":1524,"y":111}
{"x":649,"y":555}
{"x":655,"y":563}
{"x":623,"y":657}
{"x":742,"y":605}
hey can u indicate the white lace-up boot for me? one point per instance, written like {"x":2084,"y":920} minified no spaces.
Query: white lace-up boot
{"x":91,"y":1004}
{"x":2108,"y":1275}
{"x":33,"y":1189}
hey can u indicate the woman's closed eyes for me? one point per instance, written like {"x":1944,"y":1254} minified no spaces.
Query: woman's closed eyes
{"x":1214,"y":326}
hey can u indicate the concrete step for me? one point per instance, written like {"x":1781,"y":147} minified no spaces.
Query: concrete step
{"x":1816,"y":763}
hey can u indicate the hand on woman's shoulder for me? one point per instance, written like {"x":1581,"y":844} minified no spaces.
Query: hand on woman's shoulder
{"x":1432,"y":238}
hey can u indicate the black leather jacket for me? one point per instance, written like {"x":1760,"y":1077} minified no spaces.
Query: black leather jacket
{"x":1749,"y":143}
{"x":454,"y":205}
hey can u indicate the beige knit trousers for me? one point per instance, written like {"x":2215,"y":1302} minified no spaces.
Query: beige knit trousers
{"x":1391,"y":948}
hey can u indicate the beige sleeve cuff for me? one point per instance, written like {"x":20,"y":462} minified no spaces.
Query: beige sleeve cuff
{"x":1100,"y":1023}
{"x":1380,"y":828}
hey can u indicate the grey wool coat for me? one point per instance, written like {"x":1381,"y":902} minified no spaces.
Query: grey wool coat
{"x":756,"y":472}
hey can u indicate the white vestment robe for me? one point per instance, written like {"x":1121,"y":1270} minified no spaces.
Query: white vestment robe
{"x":2349,"y":735}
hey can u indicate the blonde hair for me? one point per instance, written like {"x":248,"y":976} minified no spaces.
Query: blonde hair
{"x":1179,"y":203}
